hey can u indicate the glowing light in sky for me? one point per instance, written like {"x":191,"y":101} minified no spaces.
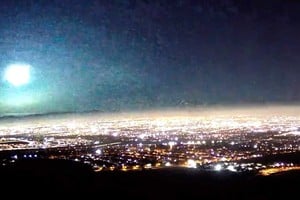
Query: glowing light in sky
{"x":17,"y":74}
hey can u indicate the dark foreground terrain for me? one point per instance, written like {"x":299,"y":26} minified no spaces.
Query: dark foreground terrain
{"x":50,"y":178}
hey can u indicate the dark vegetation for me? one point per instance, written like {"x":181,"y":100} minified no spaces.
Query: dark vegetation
{"x":53,"y":177}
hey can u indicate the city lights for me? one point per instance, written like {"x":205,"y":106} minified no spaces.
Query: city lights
{"x":194,"y":142}
{"x":218,"y":167}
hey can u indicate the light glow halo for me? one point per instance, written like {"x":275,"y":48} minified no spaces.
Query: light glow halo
{"x":17,"y":74}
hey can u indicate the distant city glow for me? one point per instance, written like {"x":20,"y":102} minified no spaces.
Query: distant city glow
{"x":17,"y":74}
{"x":191,"y":163}
{"x":218,"y":167}
{"x":231,"y":168}
{"x":98,"y":151}
{"x":112,"y":142}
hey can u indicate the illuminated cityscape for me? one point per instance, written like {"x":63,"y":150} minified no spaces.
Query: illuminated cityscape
{"x":199,"y":139}
{"x":150,"y":99}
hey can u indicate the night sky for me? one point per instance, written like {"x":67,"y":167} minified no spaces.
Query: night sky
{"x":112,"y":55}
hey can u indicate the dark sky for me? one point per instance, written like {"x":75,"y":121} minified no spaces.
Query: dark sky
{"x":139,"y":54}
